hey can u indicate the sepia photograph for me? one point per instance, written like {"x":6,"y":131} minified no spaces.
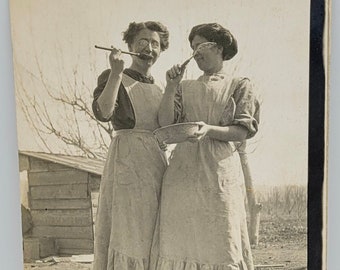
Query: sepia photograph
{"x":170,"y":135}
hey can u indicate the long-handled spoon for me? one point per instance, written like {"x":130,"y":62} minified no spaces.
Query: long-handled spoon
{"x":140,"y":55}
{"x":201,"y":47}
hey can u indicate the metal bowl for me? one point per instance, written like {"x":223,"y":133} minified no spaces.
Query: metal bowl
{"x":176,"y":133}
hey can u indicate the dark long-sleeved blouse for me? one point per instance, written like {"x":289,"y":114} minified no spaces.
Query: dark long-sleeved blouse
{"x":123,"y":116}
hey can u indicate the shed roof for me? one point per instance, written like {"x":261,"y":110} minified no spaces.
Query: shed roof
{"x":91,"y":165}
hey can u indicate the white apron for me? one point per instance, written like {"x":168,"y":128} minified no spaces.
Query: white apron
{"x":202,"y":220}
{"x":130,"y":187}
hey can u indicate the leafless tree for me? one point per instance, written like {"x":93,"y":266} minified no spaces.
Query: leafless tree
{"x":60,"y":112}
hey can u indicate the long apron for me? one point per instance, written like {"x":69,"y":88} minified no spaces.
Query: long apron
{"x":130,"y":187}
{"x":202,"y":220}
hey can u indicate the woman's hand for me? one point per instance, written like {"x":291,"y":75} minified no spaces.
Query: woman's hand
{"x":116,"y":63}
{"x":201,"y":133}
{"x":224,"y":134}
{"x":174,"y":75}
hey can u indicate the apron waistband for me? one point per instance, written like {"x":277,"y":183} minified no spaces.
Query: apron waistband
{"x":131,"y":131}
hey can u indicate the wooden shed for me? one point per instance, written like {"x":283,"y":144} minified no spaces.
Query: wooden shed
{"x":63,"y":198}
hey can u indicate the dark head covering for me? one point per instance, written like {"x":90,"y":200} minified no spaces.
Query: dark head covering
{"x":214,"y":32}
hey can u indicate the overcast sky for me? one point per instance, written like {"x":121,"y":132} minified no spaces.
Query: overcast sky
{"x":273,"y":38}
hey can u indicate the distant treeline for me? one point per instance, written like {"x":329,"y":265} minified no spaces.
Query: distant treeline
{"x":283,"y":201}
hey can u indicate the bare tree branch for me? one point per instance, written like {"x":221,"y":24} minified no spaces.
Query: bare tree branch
{"x":71,"y":119}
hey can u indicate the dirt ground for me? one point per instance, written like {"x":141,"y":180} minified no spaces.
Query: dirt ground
{"x":282,"y":242}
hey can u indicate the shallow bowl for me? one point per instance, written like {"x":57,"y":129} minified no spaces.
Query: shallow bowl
{"x":176,"y":133}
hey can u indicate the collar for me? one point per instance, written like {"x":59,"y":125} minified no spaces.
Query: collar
{"x":138,"y":76}
{"x":216,"y":76}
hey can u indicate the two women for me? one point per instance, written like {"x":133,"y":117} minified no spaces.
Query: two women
{"x":201,"y":220}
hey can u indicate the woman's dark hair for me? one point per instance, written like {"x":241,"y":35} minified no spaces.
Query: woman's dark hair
{"x":214,"y":32}
{"x":134,"y":28}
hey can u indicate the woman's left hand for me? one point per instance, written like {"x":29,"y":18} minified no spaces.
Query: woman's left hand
{"x":201,"y":133}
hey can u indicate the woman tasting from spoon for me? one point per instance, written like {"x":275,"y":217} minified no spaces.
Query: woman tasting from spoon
{"x":131,"y":181}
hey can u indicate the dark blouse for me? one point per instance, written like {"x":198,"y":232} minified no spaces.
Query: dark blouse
{"x":123,"y":116}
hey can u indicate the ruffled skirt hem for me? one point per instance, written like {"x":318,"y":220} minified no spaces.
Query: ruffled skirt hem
{"x":160,"y":263}
{"x":120,"y":261}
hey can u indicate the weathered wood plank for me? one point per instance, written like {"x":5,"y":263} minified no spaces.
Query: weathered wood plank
{"x":86,"y":244}
{"x":47,"y":247}
{"x":94,"y":182}
{"x":62,"y":217}
{"x":75,"y":251}
{"x":31,"y":249}
{"x":36,"y":248}
{"x":53,"y":166}
{"x":57,"y":177}
{"x":76,"y":191}
{"x":94,"y":166}
{"x":24,"y":164}
{"x":63,"y":232}
{"x":38,"y":164}
{"x":60,"y":204}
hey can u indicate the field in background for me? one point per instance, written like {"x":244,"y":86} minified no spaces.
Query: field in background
{"x":289,"y":201}
{"x":283,"y":226}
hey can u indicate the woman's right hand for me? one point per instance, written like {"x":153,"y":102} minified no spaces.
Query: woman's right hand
{"x":174,"y":75}
{"x":116,"y":63}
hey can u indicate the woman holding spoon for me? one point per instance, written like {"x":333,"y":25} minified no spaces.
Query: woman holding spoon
{"x":131,"y":181}
{"x":202,"y":220}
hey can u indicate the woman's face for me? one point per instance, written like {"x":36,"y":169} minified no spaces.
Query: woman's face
{"x":209,"y":60}
{"x":146,"y":42}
